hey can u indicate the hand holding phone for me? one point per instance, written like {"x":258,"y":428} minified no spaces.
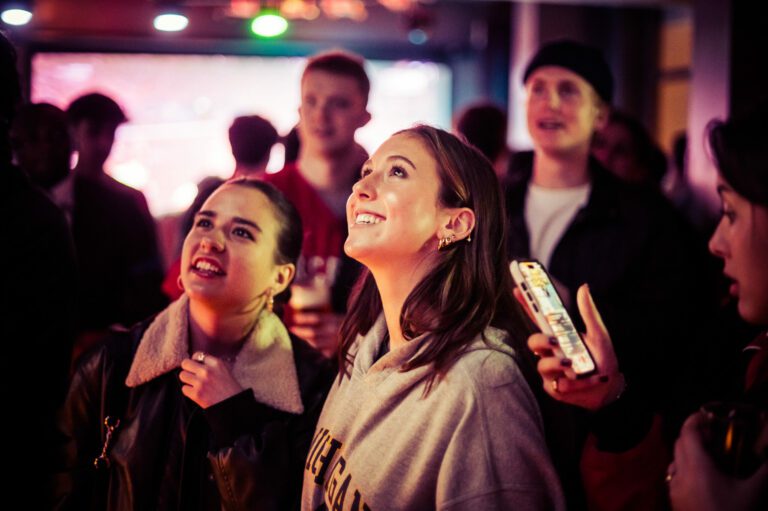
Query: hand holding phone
{"x":550,"y":315}
{"x":604,"y":386}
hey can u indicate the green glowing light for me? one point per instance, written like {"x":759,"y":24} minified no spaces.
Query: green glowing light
{"x":269,"y":24}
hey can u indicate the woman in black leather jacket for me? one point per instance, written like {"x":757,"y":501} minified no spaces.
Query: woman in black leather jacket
{"x":211,"y":404}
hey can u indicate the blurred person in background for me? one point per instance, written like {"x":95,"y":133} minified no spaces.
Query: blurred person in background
{"x":682,"y":194}
{"x":41,"y":144}
{"x":37,"y":299}
{"x":251,"y":138}
{"x":484,"y":125}
{"x":624,"y":147}
{"x":114,"y":232}
{"x":627,"y":242}
{"x":334,"y":99}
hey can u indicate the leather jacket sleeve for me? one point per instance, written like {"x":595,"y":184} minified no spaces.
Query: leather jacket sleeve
{"x":96,"y":389}
{"x":79,"y":428}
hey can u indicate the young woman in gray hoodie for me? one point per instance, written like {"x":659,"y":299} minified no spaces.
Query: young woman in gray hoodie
{"x":432,"y":408}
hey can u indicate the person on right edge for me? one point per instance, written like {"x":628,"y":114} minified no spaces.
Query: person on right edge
{"x":696,"y":482}
{"x":643,"y":263}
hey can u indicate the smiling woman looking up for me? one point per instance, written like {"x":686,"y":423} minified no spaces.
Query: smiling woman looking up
{"x":431,"y":409}
{"x":212,"y":402}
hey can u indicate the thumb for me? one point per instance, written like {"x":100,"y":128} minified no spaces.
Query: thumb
{"x":589,"y":313}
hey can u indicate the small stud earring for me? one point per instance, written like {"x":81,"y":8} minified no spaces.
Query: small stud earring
{"x":445,"y":242}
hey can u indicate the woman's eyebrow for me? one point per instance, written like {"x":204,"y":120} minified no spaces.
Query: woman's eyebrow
{"x":400,"y":157}
{"x":237,"y":219}
{"x":723,"y":189}
{"x":245,"y":221}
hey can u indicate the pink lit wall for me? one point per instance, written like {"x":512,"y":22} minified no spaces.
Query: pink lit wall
{"x":180,"y":107}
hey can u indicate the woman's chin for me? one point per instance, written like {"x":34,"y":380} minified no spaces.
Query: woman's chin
{"x":358,"y":251}
{"x":752,"y":313}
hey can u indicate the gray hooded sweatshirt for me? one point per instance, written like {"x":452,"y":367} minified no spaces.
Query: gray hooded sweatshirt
{"x":475,"y":442}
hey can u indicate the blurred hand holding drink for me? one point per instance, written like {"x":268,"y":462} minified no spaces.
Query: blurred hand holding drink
{"x":310,"y":314}
{"x":736,"y":435}
{"x":313,"y":295}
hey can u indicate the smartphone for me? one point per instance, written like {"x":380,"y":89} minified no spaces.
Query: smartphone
{"x":551,"y":317}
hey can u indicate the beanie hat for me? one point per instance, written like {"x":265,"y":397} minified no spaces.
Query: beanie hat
{"x":585,"y":61}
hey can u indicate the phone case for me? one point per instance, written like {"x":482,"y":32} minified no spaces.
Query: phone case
{"x":550,"y":313}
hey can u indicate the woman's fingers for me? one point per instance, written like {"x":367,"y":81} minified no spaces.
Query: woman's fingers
{"x":207,"y":380}
{"x":541,"y":345}
{"x":551,"y":367}
{"x":189,"y":378}
{"x":597,"y":338}
{"x":589,"y":313}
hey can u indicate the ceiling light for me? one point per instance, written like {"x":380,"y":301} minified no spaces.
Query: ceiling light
{"x":269,"y":24}
{"x":171,"y":22}
{"x":16,"y":14}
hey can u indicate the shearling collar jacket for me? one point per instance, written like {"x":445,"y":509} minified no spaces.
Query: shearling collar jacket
{"x":246,"y":452}
{"x":268,"y":350}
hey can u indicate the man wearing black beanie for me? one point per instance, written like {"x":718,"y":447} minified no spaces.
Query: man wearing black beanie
{"x":636,"y":253}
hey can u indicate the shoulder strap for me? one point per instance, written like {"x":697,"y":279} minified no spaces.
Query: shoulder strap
{"x":114,"y":392}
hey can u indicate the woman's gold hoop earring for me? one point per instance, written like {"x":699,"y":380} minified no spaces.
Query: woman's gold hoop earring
{"x":445,"y":242}
{"x":180,"y":284}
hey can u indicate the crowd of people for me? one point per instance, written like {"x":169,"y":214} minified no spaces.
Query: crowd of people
{"x":345,"y":333}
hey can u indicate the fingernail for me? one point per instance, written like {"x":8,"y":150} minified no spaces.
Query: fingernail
{"x":603,"y":378}
{"x":553,"y":341}
{"x":565,"y":362}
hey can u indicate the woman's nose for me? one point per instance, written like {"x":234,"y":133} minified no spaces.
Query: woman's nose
{"x":212,"y":244}
{"x":716,"y":243}
{"x":365,"y":187}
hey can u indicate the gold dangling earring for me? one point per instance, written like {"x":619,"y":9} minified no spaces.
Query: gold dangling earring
{"x":445,"y":242}
{"x":180,"y":284}
{"x":270,"y":301}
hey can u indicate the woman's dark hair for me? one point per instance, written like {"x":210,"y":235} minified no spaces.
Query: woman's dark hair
{"x":740,"y":150}
{"x":470,"y":287}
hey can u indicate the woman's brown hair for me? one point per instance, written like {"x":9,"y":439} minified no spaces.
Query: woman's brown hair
{"x":470,"y":288}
